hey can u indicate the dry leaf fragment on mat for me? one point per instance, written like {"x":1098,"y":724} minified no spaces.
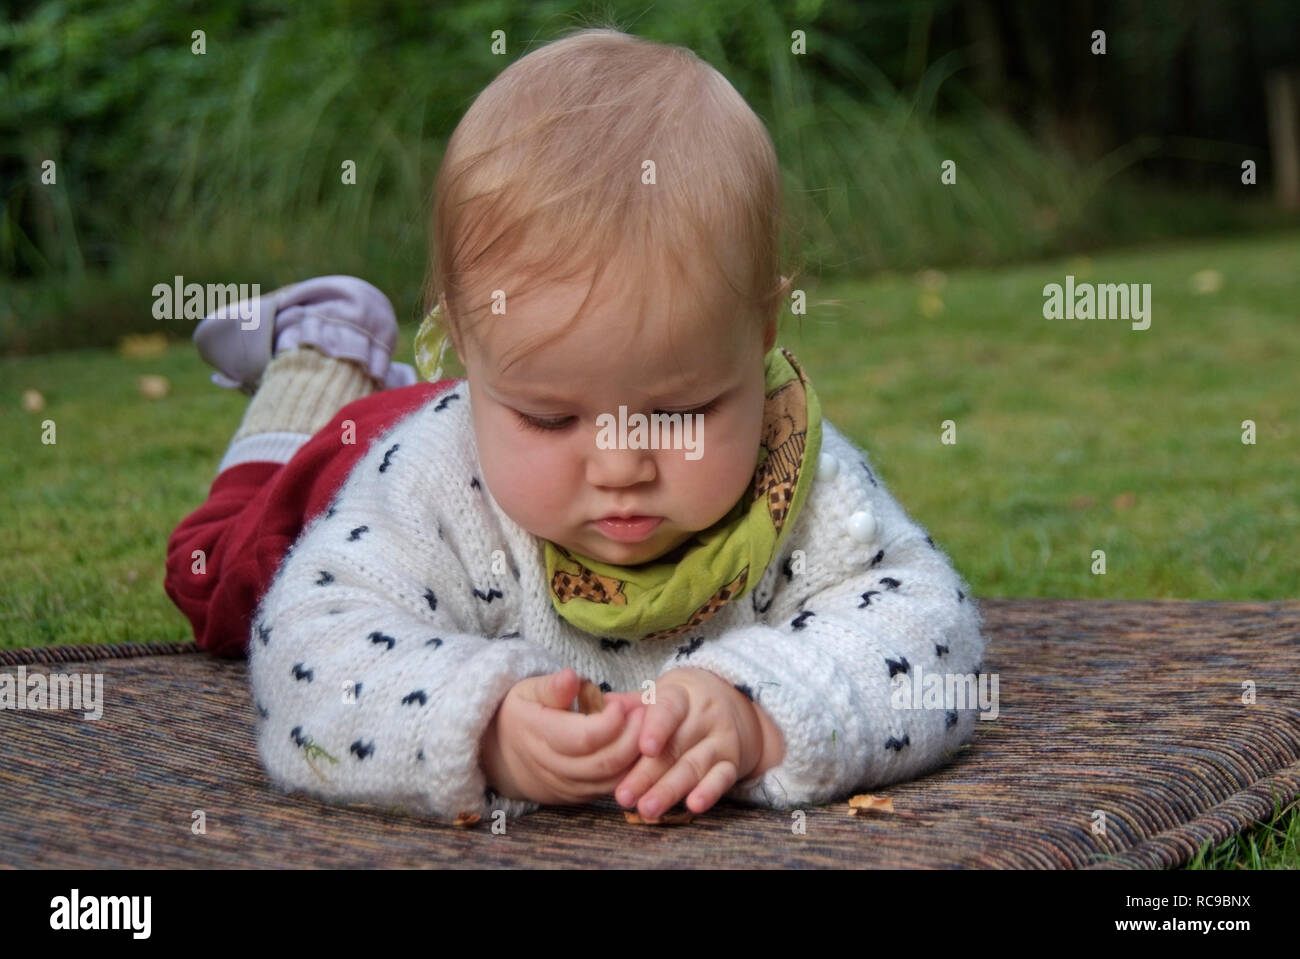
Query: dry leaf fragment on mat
{"x":590,"y":698}
{"x":865,"y":803}
{"x":667,"y":819}
{"x":466,"y":819}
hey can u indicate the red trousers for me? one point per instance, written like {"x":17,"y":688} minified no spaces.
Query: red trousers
{"x":223,"y":556}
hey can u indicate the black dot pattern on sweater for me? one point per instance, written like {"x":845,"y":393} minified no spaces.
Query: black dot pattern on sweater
{"x":379,"y":638}
{"x":749,"y":693}
{"x":875,"y":560}
{"x":940,"y":650}
{"x":388,"y":457}
{"x":491,"y":594}
{"x":931,"y":542}
{"x":261,"y":711}
{"x":896,"y":744}
{"x":514,"y":634}
{"x":890,"y":583}
{"x":417,"y":696}
{"x":431,"y":599}
{"x":435,"y":642}
{"x":798,"y":621}
{"x":298,"y":738}
{"x":787,"y":569}
{"x":356,"y":690}
{"x":443,"y":403}
{"x":325,"y":578}
{"x":606,"y":687}
{"x":263,"y":633}
{"x":961,"y":597}
{"x":896,"y":666}
{"x":474,"y":483}
{"x":866,"y":597}
{"x":694,"y":644}
{"x":301,"y":673}
{"x":362,"y":750}
{"x":871,"y":476}
{"x":950,"y":719}
{"x":609,"y":644}
{"x":356,"y":533}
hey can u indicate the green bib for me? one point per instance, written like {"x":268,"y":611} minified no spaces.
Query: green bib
{"x":663,"y":599}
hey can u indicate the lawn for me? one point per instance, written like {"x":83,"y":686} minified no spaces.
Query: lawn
{"x":1071,"y":436}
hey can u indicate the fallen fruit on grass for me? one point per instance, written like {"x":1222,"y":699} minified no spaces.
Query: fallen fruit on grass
{"x":147,"y":346}
{"x":153,"y":386}
{"x":33,"y":402}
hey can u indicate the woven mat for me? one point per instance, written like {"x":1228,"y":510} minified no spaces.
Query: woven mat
{"x":1128,"y":710}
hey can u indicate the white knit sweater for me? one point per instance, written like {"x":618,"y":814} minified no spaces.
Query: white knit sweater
{"x":401,"y":617}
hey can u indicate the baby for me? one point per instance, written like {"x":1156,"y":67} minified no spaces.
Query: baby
{"x":423,"y":574}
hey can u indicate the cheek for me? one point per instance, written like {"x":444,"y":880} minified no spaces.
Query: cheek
{"x":524,"y":471}
{"x":723,"y":473}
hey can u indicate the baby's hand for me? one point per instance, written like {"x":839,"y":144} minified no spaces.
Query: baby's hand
{"x":701,"y":736}
{"x":537,"y":749}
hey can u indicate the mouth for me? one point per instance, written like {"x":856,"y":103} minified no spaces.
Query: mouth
{"x":628,"y":529}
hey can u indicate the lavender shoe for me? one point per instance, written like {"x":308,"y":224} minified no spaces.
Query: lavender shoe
{"x":341,"y":316}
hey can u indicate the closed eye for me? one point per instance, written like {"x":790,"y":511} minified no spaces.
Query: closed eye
{"x":555,"y":426}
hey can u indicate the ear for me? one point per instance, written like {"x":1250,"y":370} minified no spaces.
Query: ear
{"x":769,"y":333}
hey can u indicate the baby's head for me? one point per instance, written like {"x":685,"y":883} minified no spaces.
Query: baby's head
{"x":606,"y":233}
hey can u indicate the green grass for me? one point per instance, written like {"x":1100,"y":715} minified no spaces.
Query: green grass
{"x":1045,"y":412}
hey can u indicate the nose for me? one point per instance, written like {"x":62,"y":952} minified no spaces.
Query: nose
{"x":620,"y":467}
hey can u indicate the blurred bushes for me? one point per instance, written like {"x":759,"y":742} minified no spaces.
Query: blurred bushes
{"x":226,"y":166}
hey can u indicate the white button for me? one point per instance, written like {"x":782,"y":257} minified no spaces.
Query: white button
{"x":862,"y":526}
{"x":828,"y":466}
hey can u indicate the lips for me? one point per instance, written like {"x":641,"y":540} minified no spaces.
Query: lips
{"x":628,"y":528}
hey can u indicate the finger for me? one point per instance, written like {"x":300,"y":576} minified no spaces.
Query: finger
{"x":662,"y":720}
{"x":712,"y":787}
{"x":604,"y":767}
{"x":577,"y":734}
{"x":558,"y":689}
{"x":647,"y":771}
{"x":688,"y":773}
{"x":629,"y":700}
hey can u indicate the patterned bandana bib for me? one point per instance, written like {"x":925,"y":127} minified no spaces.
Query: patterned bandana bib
{"x":678,"y":592}
{"x":664,"y":598}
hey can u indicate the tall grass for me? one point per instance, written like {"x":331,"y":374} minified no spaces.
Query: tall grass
{"x":227,"y":166}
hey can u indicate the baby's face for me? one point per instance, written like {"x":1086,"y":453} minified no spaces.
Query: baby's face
{"x":557,"y":482}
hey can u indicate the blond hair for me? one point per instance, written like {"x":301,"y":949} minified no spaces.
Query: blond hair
{"x":542,"y":180}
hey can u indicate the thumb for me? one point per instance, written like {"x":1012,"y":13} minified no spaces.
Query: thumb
{"x":559,"y":689}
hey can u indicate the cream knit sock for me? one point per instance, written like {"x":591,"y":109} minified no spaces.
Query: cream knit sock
{"x":300,"y":392}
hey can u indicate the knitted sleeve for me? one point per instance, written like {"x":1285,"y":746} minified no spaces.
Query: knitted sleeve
{"x":374,"y":657}
{"x":866,"y":604}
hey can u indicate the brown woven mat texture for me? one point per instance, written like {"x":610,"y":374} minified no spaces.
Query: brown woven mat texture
{"x":1123,"y":715}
